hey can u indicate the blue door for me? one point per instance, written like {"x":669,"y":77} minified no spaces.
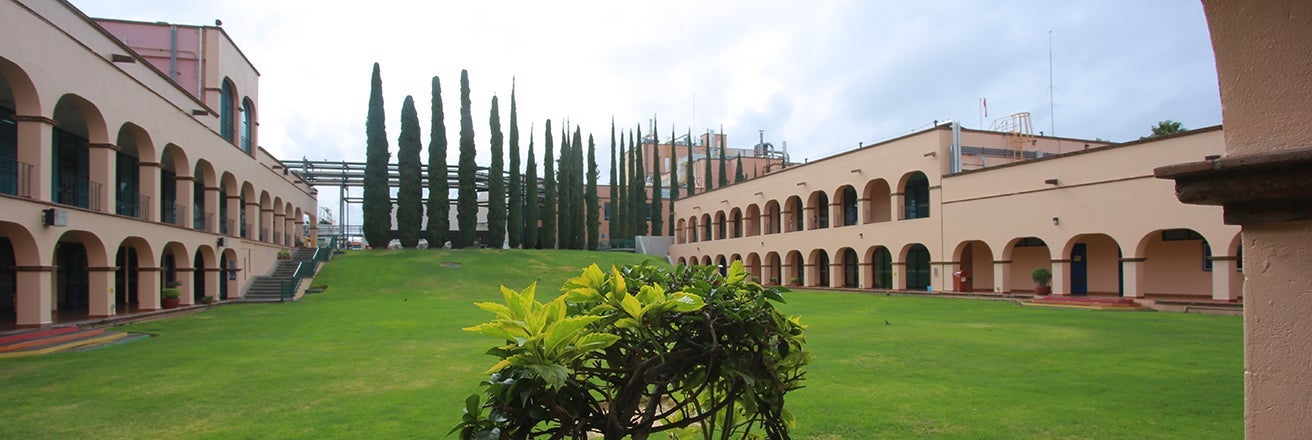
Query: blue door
{"x":1080,"y":269}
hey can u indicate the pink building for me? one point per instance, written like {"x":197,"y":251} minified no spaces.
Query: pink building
{"x":907,"y":213}
{"x":130,"y":159}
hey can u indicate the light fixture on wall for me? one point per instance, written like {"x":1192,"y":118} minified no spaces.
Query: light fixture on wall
{"x":1050,"y":181}
{"x":860,"y":235}
{"x":1056,"y":220}
{"x":54,"y":217}
{"x":222,"y":242}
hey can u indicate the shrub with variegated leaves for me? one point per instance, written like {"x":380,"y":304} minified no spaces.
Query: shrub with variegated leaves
{"x":636,"y":351}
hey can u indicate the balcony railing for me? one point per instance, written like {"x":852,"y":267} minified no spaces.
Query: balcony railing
{"x":82,"y":194}
{"x":202,"y":220}
{"x":225,"y":227}
{"x":264,"y":234}
{"x":134,"y":205}
{"x":16,"y":178}
{"x":174,"y":214}
{"x":246,"y":229}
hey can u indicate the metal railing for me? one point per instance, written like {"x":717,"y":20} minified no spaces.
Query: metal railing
{"x":623,"y":243}
{"x":290,"y":286}
{"x":201,"y":219}
{"x":135,"y":205}
{"x":174,"y":214}
{"x":264,"y":234}
{"x":16,"y":178}
{"x":82,"y":194}
{"x":246,"y":230}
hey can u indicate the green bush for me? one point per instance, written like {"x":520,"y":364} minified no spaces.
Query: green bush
{"x":1042,"y":276}
{"x":638,"y":351}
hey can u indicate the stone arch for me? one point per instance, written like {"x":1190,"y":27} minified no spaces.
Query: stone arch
{"x":916,"y":260}
{"x":20,"y":276}
{"x":721,"y":226}
{"x":1092,"y":264}
{"x":135,"y":286}
{"x":974,"y":260}
{"x":877,"y":202}
{"x":228,"y":285}
{"x":775,"y":267}
{"x":132,"y":193}
{"x":17,"y":90}
{"x":817,"y":207}
{"x":847,"y":210}
{"x":204,"y":201}
{"x":793,"y":213}
{"x":772,"y":218}
{"x":1176,"y":263}
{"x":228,"y":110}
{"x":881,"y":268}
{"x":249,"y":125}
{"x":850,"y":263}
{"x":796,"y":269}
{"x":753,"y":266}
{"x":204,"y":274}
{"x":175,"y":185}
{"x":818,"y":274}
{"x":914,"y":187}
{"x":1024,"y":254}
{"x":735,"y":227}
{"x":753,"y":220}
{"x":706,"y":228}
{"x":79,"y":165}
{"x":82,"y":276}
{"x":680,"y":231}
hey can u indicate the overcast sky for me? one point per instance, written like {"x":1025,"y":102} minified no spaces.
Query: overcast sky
{"x":822,"y":75}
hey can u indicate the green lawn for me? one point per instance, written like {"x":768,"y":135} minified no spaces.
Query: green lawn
{"x":381,"y":355}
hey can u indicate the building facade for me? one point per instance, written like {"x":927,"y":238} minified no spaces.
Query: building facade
{"x":909,"y":213}
{"x":130,"y":161}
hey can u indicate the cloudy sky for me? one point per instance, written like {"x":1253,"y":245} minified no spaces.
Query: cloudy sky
{"x":822,"y":75}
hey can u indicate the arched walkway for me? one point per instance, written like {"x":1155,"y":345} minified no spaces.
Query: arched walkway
{"x":916,"y":259}
{"x":975,"y":263}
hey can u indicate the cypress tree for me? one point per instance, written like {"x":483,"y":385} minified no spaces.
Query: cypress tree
{"x":548,"y":235}
{"x":674,"y":178}
{"x":531,"y":203}
{"x":657,"y":216}
{"x":739,"y":175}
{"x":496,"y":183}
{"x":579,"y":193}
{"x":724,"y":175}
{"x":565,"y":221}
{"x":515,"y":218}
{"x":692,"y":178}
{"x":439,"y":199}
{"x":614,"y":205}
{"x":640,"y":208}
{"x":710,"y":184}
{"x":621,"y":229}
{"x":467,"y":194}
{"x":377,"y":203}
{"x":594,"y":208}
{"x":409,"y":203}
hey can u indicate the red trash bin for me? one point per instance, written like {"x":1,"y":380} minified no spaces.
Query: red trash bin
{"x":960,"y":281}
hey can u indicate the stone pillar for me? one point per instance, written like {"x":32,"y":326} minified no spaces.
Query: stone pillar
{"x":185,"y":187}
{"x":1132,"y":275}
{"x":864,"y":211}
{"x":1222,"y":269}
{"x":234,"y":215}
{"x":865,"y":275}
{"x":810,"y":220}
{"x":836,"y":273}
{"x":149,"y":187}
{"x":212,"y":200}
{"x":896,"y":206}
{"x":186,"y":277}
{"x":35,"y":297}
{"x":100,"y":291}
{"x":148,"y":287}
{"x":899,"y":275}
{"x":1059,"y":269}
{"x":252,"y":219}
{"x":265,"y":226}
{"x":35,"y":140}
{"x":102,"y":158}
{"x":212,"y":280}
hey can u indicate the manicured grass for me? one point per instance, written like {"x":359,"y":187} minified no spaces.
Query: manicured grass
{"x":381,"y":355}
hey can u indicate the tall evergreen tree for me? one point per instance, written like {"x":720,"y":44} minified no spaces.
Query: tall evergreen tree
{"x":439,"y":198}
{"x":657,"y":216}
{"x":532,"y":205}
{"x":515,"y":218}
{"x":579,"y":193}
{"x":594,"y":208}
{"x":739,"y":175}
{"x":409,"y":196}
{"x":548,"y":235}
{"x":565,"y":221}
{"x":674,"y":178}
{"x":709,"y":177}
{"x":377,"y":203}
{"x":621,"y":228}
{"x":692,"y":178}
{"x":614,"y":189}
{"x":724,"y":174}
{"x":467,"y":194}
{"x":640,"y":208}
{"x":496,"y":183}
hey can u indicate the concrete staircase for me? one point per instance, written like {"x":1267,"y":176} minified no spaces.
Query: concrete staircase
{"x":269,"y":288}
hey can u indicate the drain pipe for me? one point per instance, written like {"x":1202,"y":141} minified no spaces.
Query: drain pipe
{"x":173,"y":53}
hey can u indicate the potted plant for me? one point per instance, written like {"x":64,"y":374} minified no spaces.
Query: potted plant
{"x":1042,"y":276}
{"x":794,"y":281}
{"x":284,"y":255}
{"x":170,"y":296}
{"x":207,"y":299}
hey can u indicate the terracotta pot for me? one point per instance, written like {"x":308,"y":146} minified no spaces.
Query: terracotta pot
{"x":1043,"y":290}
{"x":171,"y":303}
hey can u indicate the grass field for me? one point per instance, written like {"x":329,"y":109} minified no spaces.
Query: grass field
{"x":381,"y":355}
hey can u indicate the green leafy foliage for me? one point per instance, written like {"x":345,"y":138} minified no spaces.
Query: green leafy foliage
{"x":640,"y":350}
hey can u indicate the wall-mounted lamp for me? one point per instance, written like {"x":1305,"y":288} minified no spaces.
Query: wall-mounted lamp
{"x":121,"y":58}
{"x":856,"y":171}
{"x":1050,"y":181}
{"x":222,"y":242}
{"x":801,"y":183}
{"x":54,"y":217}
{"x":1056,"y":220}
{"x":759,"y":194}
{"x":931,"y":154}
{"x":860,"y":235}
{"x":199,"y":112}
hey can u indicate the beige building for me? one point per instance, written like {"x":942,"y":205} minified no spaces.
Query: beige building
{"x":130,"y":159}
{"x":908,"y":213}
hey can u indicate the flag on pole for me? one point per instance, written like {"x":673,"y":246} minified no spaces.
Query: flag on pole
{"x":985,"y":102}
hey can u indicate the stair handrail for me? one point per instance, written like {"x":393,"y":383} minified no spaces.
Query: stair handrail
{"x":289,"y":286}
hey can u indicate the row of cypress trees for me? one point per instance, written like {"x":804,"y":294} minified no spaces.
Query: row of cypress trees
{"x":569,"y":211}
